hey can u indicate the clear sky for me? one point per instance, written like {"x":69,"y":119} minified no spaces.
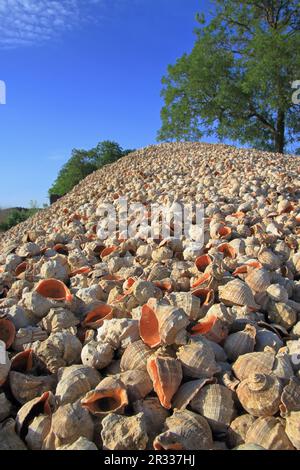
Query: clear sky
{"x":81,"y":71}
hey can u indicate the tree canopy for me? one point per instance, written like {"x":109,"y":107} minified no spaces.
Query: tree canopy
{"x":84,"y":162}
{"x":237,"y":81}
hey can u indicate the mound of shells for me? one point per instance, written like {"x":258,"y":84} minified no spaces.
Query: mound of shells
{"x":141,"y":343}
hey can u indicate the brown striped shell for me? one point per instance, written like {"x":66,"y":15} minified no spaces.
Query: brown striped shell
{"x":135,"y":356}
{"x":240,"y":343}
{"x":269,"y":432}
{"x":292,"y":428}
{"x":238,"y":429}
{"x":260,"y":394}
{"x":215,"y":403}
{"x":238,"y":293}
{"x":166,"y":375}
{"x":185,"y":430}
{"x":258,"y":280}
{"x":198,"y":360}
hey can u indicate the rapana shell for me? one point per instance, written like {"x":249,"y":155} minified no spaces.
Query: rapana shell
{"x":59,"y":350}
{"x":96,"y":354}
{"x":198,"y":360}
{"x":292,"y":428}
{"x":269,"y":433}
{"x":154,"y":414}
{"x":258,"y":362}
{"x":118,"y":332}
{"x":282,"y":314}
{"x":25,"y":387}
{"x":69,"y":422}
{"x":74,"y":382}
{"x":58,"y":320}
{"x":124,"y":432}
{"x":108,"y":398}
{"x":260,"y":394}
{"x":265,"y":338}
{"x":187,"y":392}
{"x":44,"y":404}
{"x":188,"y":302}
{"x":290,"y":398}
{"x":82,"y":443}
{"x":9,"y":440}
{"x":166,"y":375}
{"x":38,"y":430}
{"x":258,"y":280}
{"x":238,"y":430}
{"x":240,"y":343}
{"x":185,"y":430}
{"x":237,"y":292}
{"x":215,"y":403}
{"x":135,"y":356}
{"x":5,"y":407}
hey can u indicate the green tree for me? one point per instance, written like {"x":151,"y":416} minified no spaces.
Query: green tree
{"x":84,"y":162}
{"x":236,"y":82}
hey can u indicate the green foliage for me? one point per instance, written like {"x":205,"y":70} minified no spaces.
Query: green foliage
{"x":236,"y":82}
{"x":84,"y":162}
{"x":16,"y":216}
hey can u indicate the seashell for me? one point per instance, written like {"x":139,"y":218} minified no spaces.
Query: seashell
{"x":202,"y":262}
{"x":215,"y":403}
{"x":240,"y":343}
{"x":269,"y":433}
{"x":74,"y":382}
{"x":68,"y":423}
{"x":38,"y":430}
{"x":247,"y":268}
{"x":198,"y":360}
{"x":161,"y":254}
{"x":20,"y":317}
{"x":238,"y":430}
{"x":59,"y":350}
{"x":144,"y":290}
{"x":282,"y":314}
{"x":25,"y":387}
{"x":109,"y":251}
{"x":292,"y":428}
{"x":187,"y":302}
{"x":5,"y":407}
{"x":277,"y":293}
{"x":97,"y":355}
{"x":95,"y":318}
{"x":237,"y":293}
{"x":154,"y":415}
{"x":260,"y":394}
{"x":248,"y":447}
{"x":56,"y":268}
{"x":9,"y":440}
{"x":166,"y":375}
{"x":158,"y":272}
{"x":58,"y":319}
{"x":80,"y":271}
{"x":290,"y":397}
{"x":227,"y":250}
{"x":185,"y":430}
{"x":54,"y":289}
{"x":7,"y":332}
{"x":258,"y":280}
{"x":81,"y":444}
{"x":251,"y":363}
{"x":45,"y":404}
{"x":187,"y":392}
{"x":124,"y":432}
{"x":268,"y":259}
{"x":137,"y":383}
{"x":110,"y":398}
{"x":135,"y":356}
{"x":162,"y":326}
{"x":206,"y":297}
{"x":265,"y":338}
{"x":28,"y":335}
{"x":212,"y":328}
{"x":118,"y":332}
{"x":21,"y":269}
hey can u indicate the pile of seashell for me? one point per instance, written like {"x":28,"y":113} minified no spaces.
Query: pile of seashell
{"x":157,"y":344}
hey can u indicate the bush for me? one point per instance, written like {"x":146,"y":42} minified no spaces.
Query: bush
{"x":16,"y":216}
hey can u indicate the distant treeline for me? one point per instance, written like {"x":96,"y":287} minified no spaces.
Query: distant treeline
{"x":84,"y":162}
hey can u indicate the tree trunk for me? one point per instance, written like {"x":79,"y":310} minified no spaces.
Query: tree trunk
{"x":280,"y":131}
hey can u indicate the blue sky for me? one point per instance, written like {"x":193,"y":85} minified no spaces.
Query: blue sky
{"x":81,"y":71}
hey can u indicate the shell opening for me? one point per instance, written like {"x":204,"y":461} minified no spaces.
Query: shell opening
{"x":149,"y":327}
